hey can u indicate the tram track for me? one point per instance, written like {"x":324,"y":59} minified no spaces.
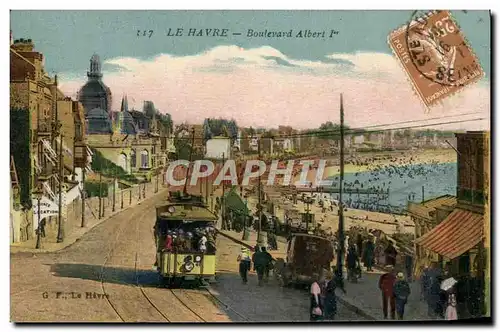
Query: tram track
{"x":188,"y":308}
{"x":112,"y":246}
{"x":158,"y":288}
{"x":226,"y":306}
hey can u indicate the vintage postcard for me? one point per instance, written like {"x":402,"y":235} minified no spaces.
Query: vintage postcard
{"x":250,"y":166}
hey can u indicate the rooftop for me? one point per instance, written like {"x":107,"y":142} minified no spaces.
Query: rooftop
{"x":425,"y":208}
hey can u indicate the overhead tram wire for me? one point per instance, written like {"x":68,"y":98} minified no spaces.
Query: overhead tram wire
{"x":327,"y":133}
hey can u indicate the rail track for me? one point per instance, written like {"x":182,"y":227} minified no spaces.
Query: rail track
{"x":182,"y":297}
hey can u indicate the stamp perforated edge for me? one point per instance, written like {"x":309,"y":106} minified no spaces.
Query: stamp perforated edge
{"x":438,"y":101}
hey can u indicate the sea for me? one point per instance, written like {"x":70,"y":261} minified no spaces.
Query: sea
{"x":405,"y":184}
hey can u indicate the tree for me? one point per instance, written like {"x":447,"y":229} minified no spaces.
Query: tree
{"x":330,"y":130}
{"x":220,"y":127}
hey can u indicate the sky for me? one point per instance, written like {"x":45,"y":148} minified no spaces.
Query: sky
{"x":257,"y":81}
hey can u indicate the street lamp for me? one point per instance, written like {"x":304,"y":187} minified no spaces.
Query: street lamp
{"x":38,"y":194}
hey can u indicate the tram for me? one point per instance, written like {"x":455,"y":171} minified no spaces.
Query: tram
{"x":185,"y":240}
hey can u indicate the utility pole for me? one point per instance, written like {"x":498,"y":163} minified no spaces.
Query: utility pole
{"x":39,"y":229}
{"x":206,"y":190}
{"x":114,"y":188}
{"x":157,"y":180}
{"x":222,"y":205}
{"x":259,"y":230}
{"x":100,"y":193}
{"x":423,"y":194}
{"x":340,"y":255}
{"x":201,"y":187}
{"x":83,"y":196}
{"x":60,"y":236}
{"x":190,"y":160}
{"x":307,"y":214}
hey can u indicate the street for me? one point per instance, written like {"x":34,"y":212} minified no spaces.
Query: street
{"x":107,"y":276}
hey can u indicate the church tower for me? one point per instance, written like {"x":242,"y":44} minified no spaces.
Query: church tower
{"x":124,"y":107}
{"x":95,"y":68}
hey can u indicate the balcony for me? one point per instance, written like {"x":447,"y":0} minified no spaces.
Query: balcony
{"x":44,"y":129}
{"x":46,"y":172}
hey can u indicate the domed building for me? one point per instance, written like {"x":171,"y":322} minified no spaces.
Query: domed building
{"x":98,"y":122}
{"x":95,"y":94}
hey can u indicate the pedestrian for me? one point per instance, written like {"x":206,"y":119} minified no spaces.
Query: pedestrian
{"x":42,"y":227}
{"x":409,"y":266}
{"x":424,"y":283}
{"x":202,"y":243}
{"x":352,"y":261}
{"x":386,"y":285}
{"x":244,"y":263}
{"x":316,"y":307}
{"x":359,"y":244}
{"x":269,"y":264}
{"x":451,"y":309}
{"x":330,"y":302}
{"x":368,"y":254}
{"x":169,"y":242}
{"x":401,"y":293}
{"x":390,"y":254}
{"x":448,"y":287}
{"x":188,"y":243}
{"x":260,"y":262}
{"x":434,"y":294}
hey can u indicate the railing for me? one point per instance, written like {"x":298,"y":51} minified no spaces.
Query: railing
{"x":47,"y":171}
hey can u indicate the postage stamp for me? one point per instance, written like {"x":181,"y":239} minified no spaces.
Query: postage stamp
{"x":435,"y":55}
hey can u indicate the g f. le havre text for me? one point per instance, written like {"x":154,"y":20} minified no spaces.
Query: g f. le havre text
{"x":248,"y":33}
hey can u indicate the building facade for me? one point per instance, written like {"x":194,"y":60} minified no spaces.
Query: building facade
{"x":40,"y":115}
{"x":460,"y":239}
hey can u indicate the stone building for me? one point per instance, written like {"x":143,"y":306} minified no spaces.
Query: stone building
{"x":95,"y":94}
{"x":32,"y":90}
{"x":40,"y":114}
{"x":71,"y":115}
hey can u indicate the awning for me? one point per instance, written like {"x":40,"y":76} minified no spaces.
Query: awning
{"x":459,"y":232}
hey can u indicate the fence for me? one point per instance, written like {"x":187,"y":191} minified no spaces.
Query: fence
{"x":72,"y":219}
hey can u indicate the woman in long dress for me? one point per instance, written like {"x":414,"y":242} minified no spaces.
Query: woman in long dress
{"x":316,"y":305}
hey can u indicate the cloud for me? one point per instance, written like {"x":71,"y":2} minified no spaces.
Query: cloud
{"x":264,"y":87}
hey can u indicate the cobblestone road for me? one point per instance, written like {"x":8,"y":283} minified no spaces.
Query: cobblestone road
{"x":115,"y":259}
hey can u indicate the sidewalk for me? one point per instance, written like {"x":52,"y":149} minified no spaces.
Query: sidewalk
{"x":363,"y":297}
{"x":49,"y":244}
{"x":252,"y":241}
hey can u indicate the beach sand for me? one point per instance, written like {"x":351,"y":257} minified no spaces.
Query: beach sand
{"x":352,"y":217}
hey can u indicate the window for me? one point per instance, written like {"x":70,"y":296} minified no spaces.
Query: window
{"x":144,"y":159}
{"x":133,"y":159}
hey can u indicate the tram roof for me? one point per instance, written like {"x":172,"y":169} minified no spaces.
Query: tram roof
{"x":185,"y":211}
{"x":298,"y":234}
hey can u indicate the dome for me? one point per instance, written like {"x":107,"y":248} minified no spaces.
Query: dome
{"x":98,"y":122}
{"x":95,"y":94}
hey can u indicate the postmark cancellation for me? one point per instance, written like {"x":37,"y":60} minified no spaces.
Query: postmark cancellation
{"x":436,"y":56}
